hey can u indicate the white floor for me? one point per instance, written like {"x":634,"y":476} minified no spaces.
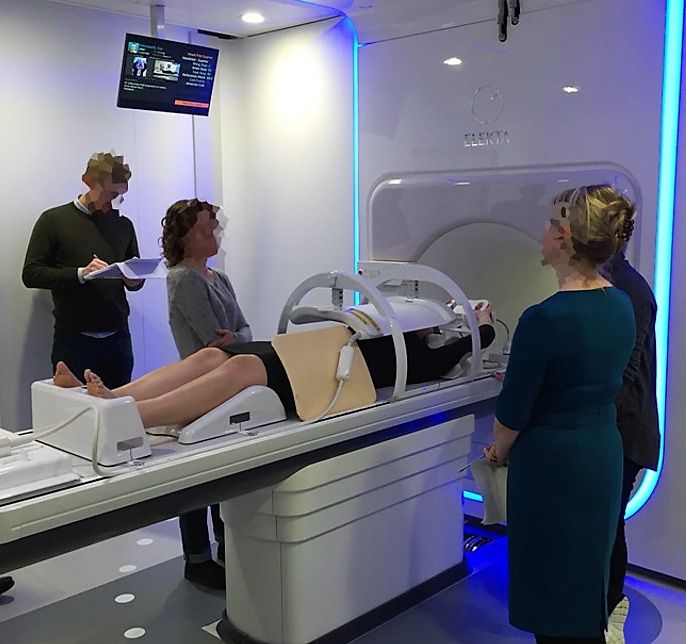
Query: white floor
{"x":76,"y":572}
{"x":131,"y":587}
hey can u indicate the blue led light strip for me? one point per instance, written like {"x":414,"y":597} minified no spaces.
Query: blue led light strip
{"x":356,"y":154}
{"x":472,"y":496}
{"x":669,"y":134}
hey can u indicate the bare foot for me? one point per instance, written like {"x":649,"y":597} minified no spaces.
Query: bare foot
{"x":65,"y":378}
{"x":95,"y":385}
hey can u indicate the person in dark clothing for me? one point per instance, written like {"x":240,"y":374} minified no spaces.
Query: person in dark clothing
{"x":637,"y":420}
{"x":182,"y":392}
{"x":68,"y":243}
{"x":5,"y":584}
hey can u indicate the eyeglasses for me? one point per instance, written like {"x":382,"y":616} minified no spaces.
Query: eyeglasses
{"x":561,"y":210}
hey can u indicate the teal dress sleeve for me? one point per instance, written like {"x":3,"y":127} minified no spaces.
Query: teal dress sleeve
{"x":525,"y":370}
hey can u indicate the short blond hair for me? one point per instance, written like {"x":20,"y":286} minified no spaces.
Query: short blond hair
{"x":105,"y":165}
{"x":601,"y":221}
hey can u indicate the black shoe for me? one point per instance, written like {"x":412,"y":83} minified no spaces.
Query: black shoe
{"x":5,"y":584}
{"x":208,"y":573}
{"x":221,"y":553}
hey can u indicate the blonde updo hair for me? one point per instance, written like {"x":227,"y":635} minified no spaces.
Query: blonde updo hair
{"x":601,"y":221}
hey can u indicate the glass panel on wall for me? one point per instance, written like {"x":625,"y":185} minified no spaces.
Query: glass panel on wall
{"x":481,"y":228}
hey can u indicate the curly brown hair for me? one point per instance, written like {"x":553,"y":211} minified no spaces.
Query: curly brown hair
{"x":181,"y":216}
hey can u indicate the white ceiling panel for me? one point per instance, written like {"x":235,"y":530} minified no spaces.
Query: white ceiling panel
{"x":375,"y":20}
{"x":219,"y":16}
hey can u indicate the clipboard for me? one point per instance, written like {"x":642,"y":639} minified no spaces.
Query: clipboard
{"x":133,"y":269}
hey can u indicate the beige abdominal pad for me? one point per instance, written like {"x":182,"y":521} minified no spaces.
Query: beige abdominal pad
{"x":310,"y":359}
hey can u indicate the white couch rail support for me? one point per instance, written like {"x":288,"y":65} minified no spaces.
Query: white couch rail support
{"x":345,"y":535}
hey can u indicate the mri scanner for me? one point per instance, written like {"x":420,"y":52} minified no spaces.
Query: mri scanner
{"x":297,"y":497}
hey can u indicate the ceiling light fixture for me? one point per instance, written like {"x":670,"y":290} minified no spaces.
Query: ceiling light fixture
{"x":252,"y":18}
{"x":452,"y":62}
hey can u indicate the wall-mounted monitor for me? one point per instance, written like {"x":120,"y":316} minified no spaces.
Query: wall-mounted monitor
{"x":166,"y":76}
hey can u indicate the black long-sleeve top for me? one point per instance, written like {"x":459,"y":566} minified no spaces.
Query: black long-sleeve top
{"x":637,"y":417}
{"x":423,"y":363}
{"x":65,"y":238}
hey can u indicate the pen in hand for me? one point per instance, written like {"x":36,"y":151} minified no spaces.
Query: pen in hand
{"x":95,"y":264}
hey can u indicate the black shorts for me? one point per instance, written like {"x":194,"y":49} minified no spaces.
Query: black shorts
{"x":277,"y":379}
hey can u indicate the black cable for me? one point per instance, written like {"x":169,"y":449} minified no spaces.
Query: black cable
{"x":514,"y":11}
{"x":502,"y":20}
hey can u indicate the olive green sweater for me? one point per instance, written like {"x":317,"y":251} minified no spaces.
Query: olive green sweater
{"x":65,"y":238}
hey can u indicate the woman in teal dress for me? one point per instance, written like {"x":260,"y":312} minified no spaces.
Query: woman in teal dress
{"x":556,"y":425}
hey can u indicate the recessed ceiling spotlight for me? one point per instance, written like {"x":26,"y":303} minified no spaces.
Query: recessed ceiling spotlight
{"x":571,"y":89}
{"x":252,"y":17}
{"x":452,"y":62}
{"x":395,"y":182}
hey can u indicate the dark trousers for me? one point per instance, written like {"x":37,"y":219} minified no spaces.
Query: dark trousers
{"x":542,"y":639}
{"x":111,"y":357}
{"x":195,"y":537}
{"x":620,"y":558}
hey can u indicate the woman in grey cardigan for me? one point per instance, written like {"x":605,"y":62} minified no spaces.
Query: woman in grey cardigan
{"x":203,"y":312}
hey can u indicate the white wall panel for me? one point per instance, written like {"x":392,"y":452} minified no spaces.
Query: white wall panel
{"x":59,"y":106}
{"x":287,"y":162}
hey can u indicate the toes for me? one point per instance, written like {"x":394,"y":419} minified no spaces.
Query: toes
{"x":63,"y":377}
{"x":93,"y":383}
{"x":63,"y":380}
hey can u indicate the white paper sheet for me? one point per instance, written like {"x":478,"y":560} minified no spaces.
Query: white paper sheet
{"x":492,"y":482}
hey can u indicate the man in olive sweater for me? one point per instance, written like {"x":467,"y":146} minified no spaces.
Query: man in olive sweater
{"x":68,"y":243}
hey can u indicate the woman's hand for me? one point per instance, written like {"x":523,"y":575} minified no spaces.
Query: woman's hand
{"x":484,"y":314}
{"x":491,"y":453}
{"x":499,"y":376}
{"x":225,"y":337}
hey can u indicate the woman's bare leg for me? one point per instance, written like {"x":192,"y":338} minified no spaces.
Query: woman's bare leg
{"x":152,"y":384}
{"x":195,"y":398}
{"x":173,"y":376}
